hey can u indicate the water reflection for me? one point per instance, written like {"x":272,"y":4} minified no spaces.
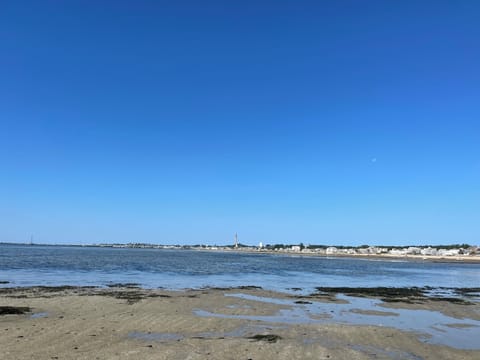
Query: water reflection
{"x":433,"y":327}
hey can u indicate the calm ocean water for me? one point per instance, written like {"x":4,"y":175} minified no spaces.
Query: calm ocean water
{"x":179,"y":269}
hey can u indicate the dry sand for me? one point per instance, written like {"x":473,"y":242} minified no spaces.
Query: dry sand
{"x":120,"y":323}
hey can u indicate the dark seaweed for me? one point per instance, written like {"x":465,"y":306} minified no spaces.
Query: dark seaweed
{"x":271,"y":338}
{"x":467,"y":291}
{"x":243,"y":287}
{"x":124,"y":285}
{"x":302,"y":302}
{"x":14,"y":310}
{"x":409,"y":295}
{"x":386,"y":292}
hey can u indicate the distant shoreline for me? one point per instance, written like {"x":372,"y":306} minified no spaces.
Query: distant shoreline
{"x":474,"y":259}
{"x":465,"y":259}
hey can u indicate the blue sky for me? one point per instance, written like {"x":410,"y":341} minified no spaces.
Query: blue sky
{"x":322,"y":122}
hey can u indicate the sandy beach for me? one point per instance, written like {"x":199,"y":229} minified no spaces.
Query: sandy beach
{"x":132,"y":323}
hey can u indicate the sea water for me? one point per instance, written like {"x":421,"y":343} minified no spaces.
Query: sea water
{"x":24,"y":265}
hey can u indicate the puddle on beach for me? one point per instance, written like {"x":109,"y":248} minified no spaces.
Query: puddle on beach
{"x":235,"y":306}
{"x":39,"y":315}
{"x":242,"y":331}
{"x":431,"y":326}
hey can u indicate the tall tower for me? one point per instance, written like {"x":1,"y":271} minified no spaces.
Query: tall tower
{"x":236,"y":241}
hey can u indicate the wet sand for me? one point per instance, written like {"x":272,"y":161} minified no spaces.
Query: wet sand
{"x":244,"y":323}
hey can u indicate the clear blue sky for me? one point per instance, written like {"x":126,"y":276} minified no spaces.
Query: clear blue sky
{"x":322,"y":122}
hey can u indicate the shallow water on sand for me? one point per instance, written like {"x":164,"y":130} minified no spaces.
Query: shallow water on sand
{"x":430,"y":326}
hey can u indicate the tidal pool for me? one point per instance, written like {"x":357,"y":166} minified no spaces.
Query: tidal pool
{"x":430,"y":326}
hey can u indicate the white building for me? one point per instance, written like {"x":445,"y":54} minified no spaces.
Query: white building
{"x":331,"y":250}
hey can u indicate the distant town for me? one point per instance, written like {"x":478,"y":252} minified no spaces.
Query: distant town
{"x":454,"y":252}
